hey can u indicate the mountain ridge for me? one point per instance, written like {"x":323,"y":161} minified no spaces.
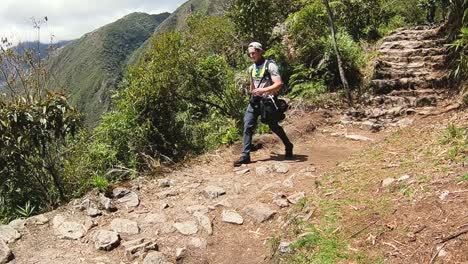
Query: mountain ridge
{"x":92,"y":66}
{"x":177,"y":20}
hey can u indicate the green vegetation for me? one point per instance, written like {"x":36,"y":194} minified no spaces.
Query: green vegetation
{"x":177,"y":21}
{"x":185,"y":95}
{"x":35,"y":127}
{"x":181,"y":99}
{"x":457,"y":140}
{"x":464,"y":178}
{"x":90,"y":68}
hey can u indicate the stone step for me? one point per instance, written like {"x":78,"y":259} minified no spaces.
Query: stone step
{"x":399,"y":73}
{"x":414,"y":52}
{"x":412,"y":44}
{"x":436,"y":59}
{"x":420,"y":35}
{"x":389,"y":101}
{"x":415,"y":34}
{"x":416,"y":93}
{"x":412,"y":66}
{"x":384,"y":86}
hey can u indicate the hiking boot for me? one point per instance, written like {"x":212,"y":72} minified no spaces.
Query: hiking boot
{"x":289,"y":152}
{"x":241,"y":160}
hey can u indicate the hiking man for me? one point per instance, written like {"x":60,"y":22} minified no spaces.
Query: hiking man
{"x":265,"y":83}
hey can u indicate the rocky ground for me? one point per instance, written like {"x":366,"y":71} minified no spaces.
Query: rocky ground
{"x":394,"y":204}
{"x":208,"y":212}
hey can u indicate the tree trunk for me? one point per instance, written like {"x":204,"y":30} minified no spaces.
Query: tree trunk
{"x":338,"y":56}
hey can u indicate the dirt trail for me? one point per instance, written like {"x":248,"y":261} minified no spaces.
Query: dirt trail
{"x":317,"y":152}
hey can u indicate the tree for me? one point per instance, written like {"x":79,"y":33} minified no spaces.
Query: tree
{"x":35,"y":124}
{"x":338,"y":56}
{"x":254,"y":19}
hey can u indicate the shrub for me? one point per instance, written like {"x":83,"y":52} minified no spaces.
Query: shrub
{"x":457,"y":140}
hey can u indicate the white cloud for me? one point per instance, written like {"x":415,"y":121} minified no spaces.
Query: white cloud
{"x":70,"y":19}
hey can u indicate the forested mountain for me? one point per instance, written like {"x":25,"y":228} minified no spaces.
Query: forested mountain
{"x":177,"y":20}
{"x":90,"y":67}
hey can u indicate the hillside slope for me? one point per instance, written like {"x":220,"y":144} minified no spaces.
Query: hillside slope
{"x":90,"y":67}
{"x":177,"y":20}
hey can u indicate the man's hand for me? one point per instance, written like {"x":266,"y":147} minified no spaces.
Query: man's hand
{"x":258,"y":91}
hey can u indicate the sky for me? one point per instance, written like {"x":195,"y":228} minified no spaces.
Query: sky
{"x":69,"y":19}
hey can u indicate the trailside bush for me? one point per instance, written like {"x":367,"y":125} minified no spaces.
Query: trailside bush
{"x":33,"y":139}
{"x":181,"y":99}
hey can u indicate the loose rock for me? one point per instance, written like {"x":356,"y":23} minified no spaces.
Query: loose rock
{"x":263,"y":170}
{"x":18,"y":224}
{"x":70,"y":230}
{"x":241,"y":172}
{"x":213,"y":192}
{"x":259,"y":211}
{"x":295,"y":198}
{"x":405,"y":122}
{"x":155,"y":257}
{"x":120,"y":192}
{"x":58,"y":221}
{"x":8,"y":234}
{"x":93,"y":212}
{"x":187,"y":228}
{"x":285,"y":248}
{"x":135,"y":250}
{"x":125,"y":226}
{"x":403,"y":178}
{"x":130,"y":200}
{"x":223,"y":203}
{"x":181,"y":253}
{"x":281,"y":168}
{"x":155,"y":218}
{"x":205,"y":222}
{"x":359,"y":138}
{"x":106,"y":240}
{"x":84,"y":205}
{"x":387,"y":182}
{"x":165,"y":182}
{"x":89,"y":224}
{"x":288,"y":183}
{"x":5,"y":253}
{"x":106,"y":203}
{"x":233,"y":217}
{"x":38,"y":220}
{"x":281,"y":202}
{"x":167,"y":193}
{"x":197,"y":208}
{"x":444,"y":195}
{"x":196,"y":242}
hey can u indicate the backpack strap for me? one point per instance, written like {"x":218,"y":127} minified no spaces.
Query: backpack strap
{"x":265,"y":70}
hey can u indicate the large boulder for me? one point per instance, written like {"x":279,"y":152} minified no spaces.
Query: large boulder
{"x":8,"y":234}
{"x":5,"y":253}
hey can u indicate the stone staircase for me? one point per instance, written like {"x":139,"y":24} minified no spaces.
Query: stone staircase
{"x":409,"y":76}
